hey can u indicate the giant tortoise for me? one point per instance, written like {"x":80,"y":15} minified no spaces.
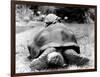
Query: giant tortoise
{"x":53,"y":46}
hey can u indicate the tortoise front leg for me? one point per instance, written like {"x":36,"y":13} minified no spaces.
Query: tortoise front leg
{"x":73,"y":58}
{"x":41,"y":62}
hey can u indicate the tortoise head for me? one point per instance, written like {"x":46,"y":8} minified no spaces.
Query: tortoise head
{"x":55,"y":59}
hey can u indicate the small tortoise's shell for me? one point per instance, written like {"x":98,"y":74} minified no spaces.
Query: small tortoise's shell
{"x":55,"y":35}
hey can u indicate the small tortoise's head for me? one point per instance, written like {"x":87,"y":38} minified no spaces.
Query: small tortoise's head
{"x":55,"y":59}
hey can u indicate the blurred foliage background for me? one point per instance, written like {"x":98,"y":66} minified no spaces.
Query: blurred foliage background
{"x":67,"y":14}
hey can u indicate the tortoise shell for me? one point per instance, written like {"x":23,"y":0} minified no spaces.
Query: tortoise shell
{"x":56,"y":35}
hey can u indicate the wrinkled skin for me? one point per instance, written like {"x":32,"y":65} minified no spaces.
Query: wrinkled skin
{"x":53,"y":59}
{"x":74,"y":59}
{"x":47,"y":59}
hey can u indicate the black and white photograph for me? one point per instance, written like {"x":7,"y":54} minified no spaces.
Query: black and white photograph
{"x":54,"y":37}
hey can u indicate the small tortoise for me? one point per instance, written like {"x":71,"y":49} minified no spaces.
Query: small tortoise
{"x":50,"y":46}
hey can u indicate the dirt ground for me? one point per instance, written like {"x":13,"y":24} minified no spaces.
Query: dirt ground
{"x":83,"y":32}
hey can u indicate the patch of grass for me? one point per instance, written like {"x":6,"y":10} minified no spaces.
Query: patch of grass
{"x":20,"y":29}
